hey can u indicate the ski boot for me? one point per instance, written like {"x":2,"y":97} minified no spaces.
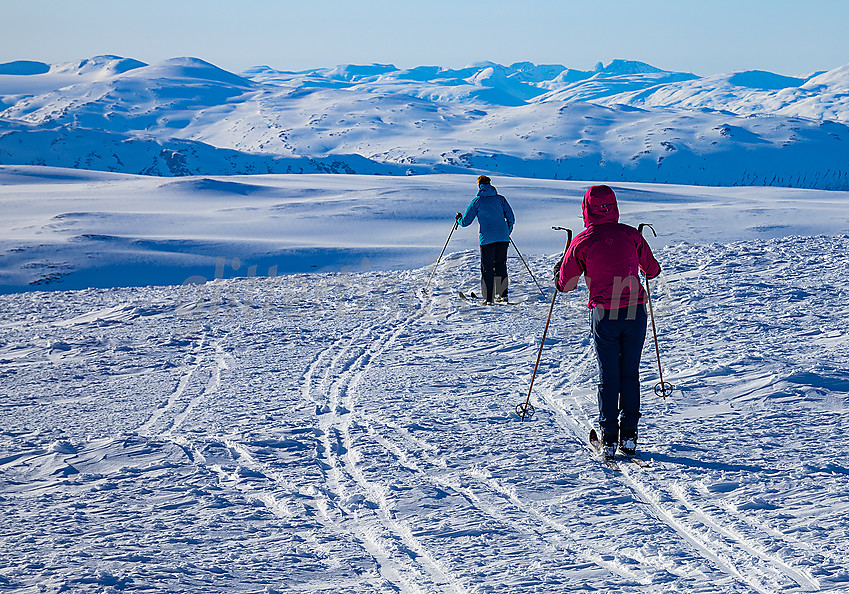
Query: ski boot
{"x":628,"y":444}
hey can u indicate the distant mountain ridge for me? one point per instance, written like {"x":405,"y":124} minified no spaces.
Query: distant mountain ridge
{"x":627,"y":121}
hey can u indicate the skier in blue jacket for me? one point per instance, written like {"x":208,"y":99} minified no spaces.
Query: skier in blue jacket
{"x":496,"y":224}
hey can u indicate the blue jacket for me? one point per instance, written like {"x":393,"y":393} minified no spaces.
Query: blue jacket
{"x":493,"y":213}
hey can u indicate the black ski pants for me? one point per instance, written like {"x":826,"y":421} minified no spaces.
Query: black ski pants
{"x":494,"y":270}
{"x":618,"y":337}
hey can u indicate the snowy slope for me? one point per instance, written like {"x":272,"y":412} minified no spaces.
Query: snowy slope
{"x":820,"y":97}
{"x":71,"y":229}
{"x":343,"y":433}
{"x":626,"y":121}
{"x":23,"y":79}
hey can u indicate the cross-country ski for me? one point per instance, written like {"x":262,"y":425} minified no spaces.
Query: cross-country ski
{"x":606,"y":456}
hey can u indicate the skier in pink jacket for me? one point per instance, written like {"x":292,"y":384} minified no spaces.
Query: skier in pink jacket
{"x":610,"y":255}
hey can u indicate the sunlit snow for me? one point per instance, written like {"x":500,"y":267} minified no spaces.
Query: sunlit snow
{"x":218,"y":371}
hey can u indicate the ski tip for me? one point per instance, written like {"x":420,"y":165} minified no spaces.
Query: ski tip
{"x":593,"y":435}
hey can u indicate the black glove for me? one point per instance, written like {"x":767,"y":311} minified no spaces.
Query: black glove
{"x":557,"y":268}
{"x":458,"y":216}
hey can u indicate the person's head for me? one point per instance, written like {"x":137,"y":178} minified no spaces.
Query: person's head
{"x":483,"y":180}
{"x":600,"y":206}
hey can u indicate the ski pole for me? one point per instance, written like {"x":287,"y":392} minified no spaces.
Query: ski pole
{"x":662,"y":388}
{"x":454,"y":228}
{"x":526,"y":409}
{"x":528,"y":267}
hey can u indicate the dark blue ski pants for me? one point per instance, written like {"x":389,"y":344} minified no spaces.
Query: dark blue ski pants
{"x":494,"y":269}
{"x":618,"y":336}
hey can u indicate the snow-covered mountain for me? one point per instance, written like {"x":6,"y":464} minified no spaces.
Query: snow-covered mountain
{"x":626,"y":121}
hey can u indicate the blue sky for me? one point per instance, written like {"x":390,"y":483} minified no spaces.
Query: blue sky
{"x":706,"y":37}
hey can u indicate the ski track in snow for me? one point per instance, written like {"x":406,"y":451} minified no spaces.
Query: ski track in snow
{"x":344,"y":433}
{"x":333,"y":396}
{"x":707,"y":532}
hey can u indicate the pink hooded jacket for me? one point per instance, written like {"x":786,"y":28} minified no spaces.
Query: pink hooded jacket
{"x":610,"y":255}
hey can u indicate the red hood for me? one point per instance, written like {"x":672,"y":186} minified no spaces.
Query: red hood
{"x":600,"y":206}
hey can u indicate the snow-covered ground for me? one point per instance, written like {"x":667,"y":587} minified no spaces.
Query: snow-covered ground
{"x":71,"y":229}
{"x":342,"y":432}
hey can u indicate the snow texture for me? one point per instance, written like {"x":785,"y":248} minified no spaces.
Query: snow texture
{"x":343,"y":432}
